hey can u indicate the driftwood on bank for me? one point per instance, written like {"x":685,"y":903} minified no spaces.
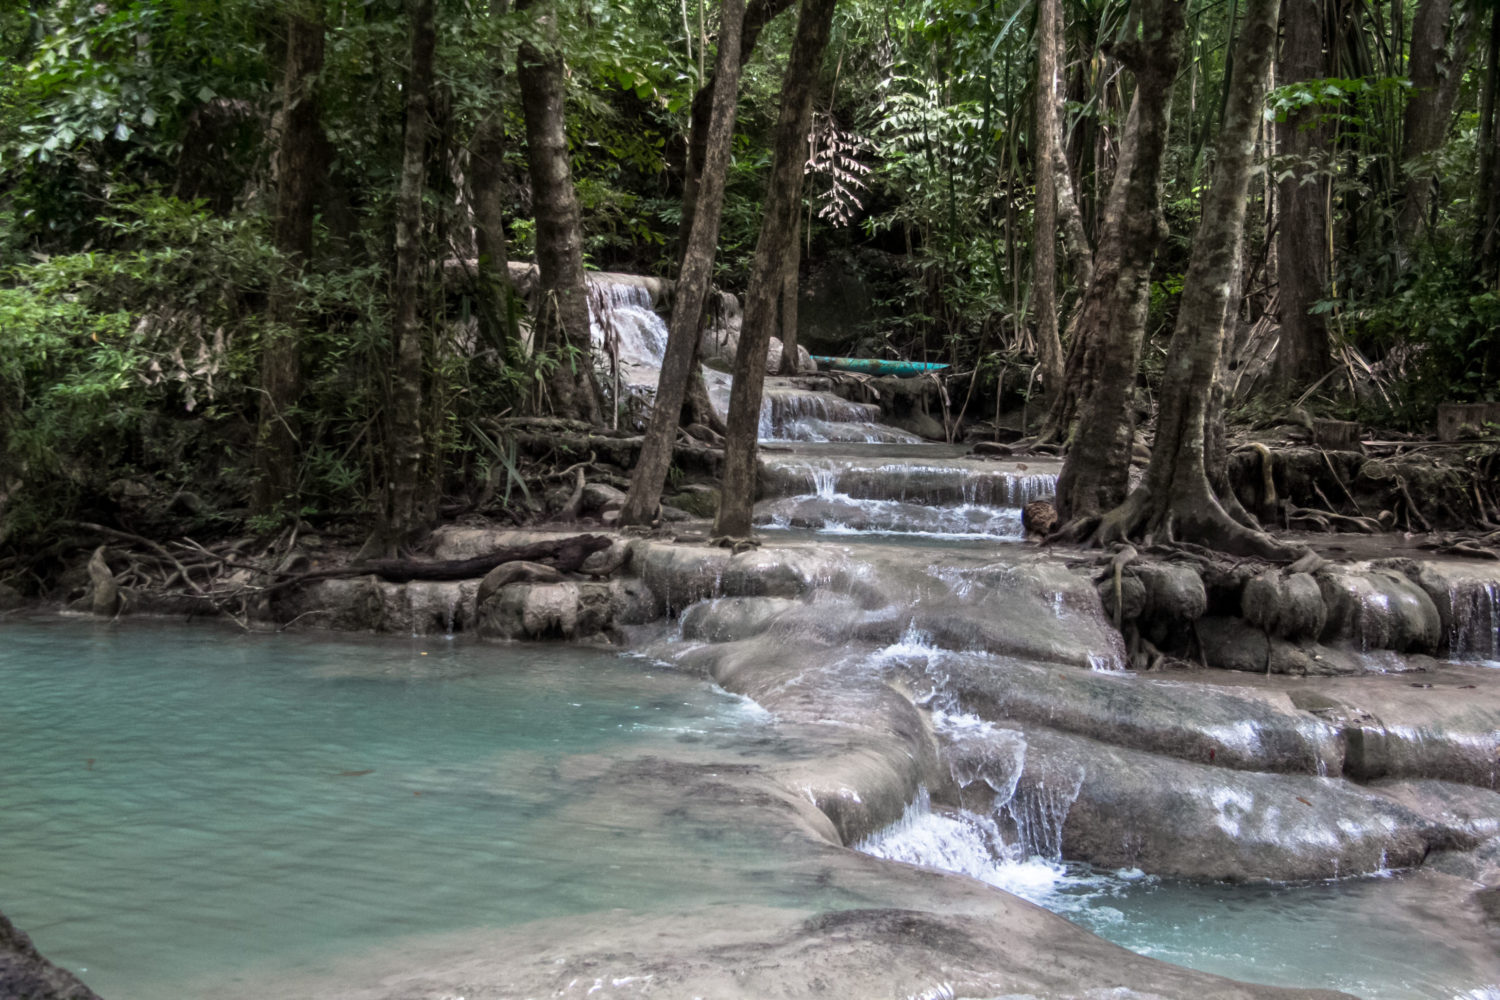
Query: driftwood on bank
{"x":565,"y":555}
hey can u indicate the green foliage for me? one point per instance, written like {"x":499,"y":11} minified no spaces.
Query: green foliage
{"x":125,"y":362}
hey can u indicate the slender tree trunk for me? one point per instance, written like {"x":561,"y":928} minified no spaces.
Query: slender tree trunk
{"x":1095,"y":474}
{"x":411,"y":507}
{"x":1303,"y":353}
{"x":788,"y":325}
{"x":562,"y":321}
{"x":1487,"y":231}
{"x":1176,"y":499}
{"x":758,"y":14}
{"x":1437,"y":46}
{"x":698,"y":408}
{"x":1044,"y":225}
{"x":1081,"y":370}
{"x":692,"y":282}
{"x":299,"y":171}
{"x":778,"y":230}
{"x":500,"y":306}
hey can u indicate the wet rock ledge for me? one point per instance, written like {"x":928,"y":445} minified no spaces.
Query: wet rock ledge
{"x":995,"y":680}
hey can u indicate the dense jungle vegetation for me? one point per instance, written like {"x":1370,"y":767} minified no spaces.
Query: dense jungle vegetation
{"x":253,"y":252}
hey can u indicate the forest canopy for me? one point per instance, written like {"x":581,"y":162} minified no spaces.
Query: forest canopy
{"x":254,"y":253}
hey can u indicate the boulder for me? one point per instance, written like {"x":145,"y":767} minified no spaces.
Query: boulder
{"x":26,"y":975}
{"x":1123,"y":808}
{"x":1234,"y":644}
{"x":566,"y":610}
{"x":1288,"y":606}
{"x":1174,"y":592}
{"x":1378,"y":609}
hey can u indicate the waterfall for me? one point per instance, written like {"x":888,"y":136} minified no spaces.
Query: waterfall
{"x":623,"y":324}
{"x":1474,"y":625}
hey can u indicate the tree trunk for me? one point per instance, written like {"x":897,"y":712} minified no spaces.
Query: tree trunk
{"x":790,"y":284}
{"x":499,"y":305}
{"x":1303,"y":353}
{"x":778,"y":231}
{"x":1437,"y":46}
{"x":698,"y":409}
{"x":758,"y":14}
{"x":1095,"y":474}
{"x":299,"y":169}
{"x":692,"y":282}
{"x":1487,"y":230}
{"x":1176,"y":500}
{"x":1044,"y":225}
{"x":410,"y":506}
{"x":1080,"y":372}
{"x":562,"y":320}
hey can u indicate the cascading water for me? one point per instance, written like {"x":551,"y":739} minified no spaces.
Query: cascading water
{"x":623,"y":324}
{"x":1474,"y":627}
{"x":844,"y":494}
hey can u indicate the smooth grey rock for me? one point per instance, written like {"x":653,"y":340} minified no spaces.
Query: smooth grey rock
{"x":1174,"y":592}
{"x":1194,"y":722}
{"x":725,"y":619}
{"x":1288,"y":606}
{"x":566,"y":610}
{"x":1468,"y":816}
{"x":1378,"y":609}
{"x":1232,"y":644}
{"x":1170,"y":817}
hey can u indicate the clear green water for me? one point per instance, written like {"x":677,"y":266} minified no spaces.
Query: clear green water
{"x":175,"y":802}
{"x":190,"y":805}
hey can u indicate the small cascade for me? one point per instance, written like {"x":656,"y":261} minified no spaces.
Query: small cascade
{"x":790,"y":414}
{"x":1474,"y":625}
{"x":958,"y":498}
{"x":622,"y":324}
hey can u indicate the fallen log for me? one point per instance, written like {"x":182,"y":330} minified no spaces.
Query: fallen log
{"x":565,"y":555}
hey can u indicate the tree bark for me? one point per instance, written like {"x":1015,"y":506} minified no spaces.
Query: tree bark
{"x":790,"y":284}
{"x":692,"y":282}
{"x":1081,"y":370}
{"x":758,"y":14}
{"x":410,"y":506}
{"x":1044,"y":225}
{"x":1487,"y":229}
{"x":1176,"y":499}
{"x":299,"y":169}
{"x":698,"y":409}
{"x":562,"y":298}
{"x":1095,"y":474}
{"x":1437,"y":46}
{"x":499,"y":306}
{"x":778,"y":230}
{"x":1303,"y":353}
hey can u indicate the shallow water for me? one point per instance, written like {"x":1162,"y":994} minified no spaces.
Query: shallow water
{"x":176,"y":801}
{"x":1391,"y":937}
{"x":190,"y":805}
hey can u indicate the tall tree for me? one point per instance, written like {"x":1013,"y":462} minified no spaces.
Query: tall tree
{"x":411,"y":505}
{"x":758,"y":13}
{"x":693,"y":280}
{"x":1112,"y":326}
{"x":1176,"y":499}
{"x":1438,"y":42}
{"x":1044,"y":235}
{"x":500,"y":307}
{"x":299,"y":169}
{"x":1303,"y":352}
{"x":767,"y":275}
{"x":1487,"y":228}
{"x":563,"y":309}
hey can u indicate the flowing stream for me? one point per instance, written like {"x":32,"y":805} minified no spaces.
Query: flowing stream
{"x":183,"y":806}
